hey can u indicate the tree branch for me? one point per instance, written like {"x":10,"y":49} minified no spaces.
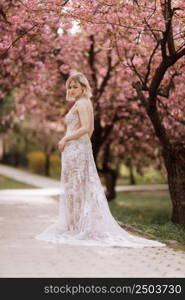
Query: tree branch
{"x":91,"y":61}
{"x":107,"y":76}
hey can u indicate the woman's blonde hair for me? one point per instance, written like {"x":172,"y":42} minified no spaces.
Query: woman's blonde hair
{"x":81,"y":78}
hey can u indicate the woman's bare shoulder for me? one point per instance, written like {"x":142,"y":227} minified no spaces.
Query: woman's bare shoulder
{"x":84,"y":104}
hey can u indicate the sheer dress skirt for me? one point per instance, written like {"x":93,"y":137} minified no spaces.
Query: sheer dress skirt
{"x":84,"y":215}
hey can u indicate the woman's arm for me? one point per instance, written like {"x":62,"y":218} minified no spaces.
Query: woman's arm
{"x":85,"y":121}
{"x":92,"y":130}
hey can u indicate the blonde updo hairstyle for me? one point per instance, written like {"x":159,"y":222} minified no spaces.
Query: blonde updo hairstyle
{"x":81,"y":78}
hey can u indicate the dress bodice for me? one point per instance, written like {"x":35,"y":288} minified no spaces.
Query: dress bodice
{"x":71,"y":120}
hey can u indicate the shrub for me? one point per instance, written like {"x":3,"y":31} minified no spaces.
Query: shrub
{"x":36,"y":161}
{"x":55,"y":165}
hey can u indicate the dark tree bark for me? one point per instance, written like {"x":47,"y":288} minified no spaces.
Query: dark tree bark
{"x":110,"y":174}
{"x":47,"y":165}
{"x":110,"y":183}
{"x":100,"y":134}
{"x":132,"y":178}
{"x":175,"y":165}
{"x":173,"y":154}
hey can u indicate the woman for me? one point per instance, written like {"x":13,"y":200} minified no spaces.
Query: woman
{"x":84,"y":215}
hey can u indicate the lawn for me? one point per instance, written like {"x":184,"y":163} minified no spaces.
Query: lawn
{"x":8,"y":183}
{"x":149,"y":213}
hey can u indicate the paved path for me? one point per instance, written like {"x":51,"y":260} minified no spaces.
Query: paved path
{"x":25,"y":213}
{"x":24,"y":216}
{"x":44,"y":182}
{"x":26,"y":177}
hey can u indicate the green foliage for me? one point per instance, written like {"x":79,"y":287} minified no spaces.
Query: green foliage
{"x":124,"y":170}
{"x":150,"y":176}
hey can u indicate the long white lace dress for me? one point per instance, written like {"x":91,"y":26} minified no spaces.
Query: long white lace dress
{"x":84,"y":215}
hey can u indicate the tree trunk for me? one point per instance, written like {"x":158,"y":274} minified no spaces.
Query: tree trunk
{"x":131,"y":174}
{"x":47,"y":164}
{"x":110,"y":174}
{"x":3,"y":147}
{"x":175,"y":165}
{"x":110,"y":183}
{"x":16,"y":159}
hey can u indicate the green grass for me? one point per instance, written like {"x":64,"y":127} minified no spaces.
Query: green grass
{"x":7,"y":183}
{"x":151,"y":214}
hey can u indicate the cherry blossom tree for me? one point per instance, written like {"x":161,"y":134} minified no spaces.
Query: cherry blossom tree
{"x":43,"y":59}
{"x":134,"y":65}
{"x":149,"y":40}
{"x":26,"y":26}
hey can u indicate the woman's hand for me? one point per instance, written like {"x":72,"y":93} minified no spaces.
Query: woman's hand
{"x":61,"y":143}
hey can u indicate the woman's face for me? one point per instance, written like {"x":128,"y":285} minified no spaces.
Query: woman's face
{"x":74,"y":90}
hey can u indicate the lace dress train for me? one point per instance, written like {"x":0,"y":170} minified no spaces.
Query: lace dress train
{"x":84,"y":215}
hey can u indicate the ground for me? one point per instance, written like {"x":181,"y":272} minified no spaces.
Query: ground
{"x":25,"y":213}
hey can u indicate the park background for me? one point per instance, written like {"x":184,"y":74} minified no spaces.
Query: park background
{"x":133,"y":54}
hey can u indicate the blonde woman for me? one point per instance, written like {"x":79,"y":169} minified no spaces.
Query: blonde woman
{"x":84,"y":215}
